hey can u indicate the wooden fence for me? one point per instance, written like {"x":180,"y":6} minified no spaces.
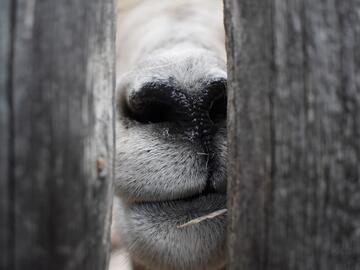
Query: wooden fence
{"x":56,"y":133}
{"x":294,"y":131}
{"x":294,"y":134}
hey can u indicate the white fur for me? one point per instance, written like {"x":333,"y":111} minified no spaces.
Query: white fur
{"x":156,"y":168}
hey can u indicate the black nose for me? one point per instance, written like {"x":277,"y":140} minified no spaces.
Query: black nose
{"x":201,"y":106}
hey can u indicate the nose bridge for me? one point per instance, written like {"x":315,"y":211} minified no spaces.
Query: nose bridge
{"x":198,"y":124}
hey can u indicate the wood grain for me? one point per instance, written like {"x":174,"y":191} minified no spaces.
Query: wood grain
{"x":56,"y":127}
{"x":294,"y":126}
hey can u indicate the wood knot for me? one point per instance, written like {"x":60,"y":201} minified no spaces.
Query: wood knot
{"x":101,"y":167}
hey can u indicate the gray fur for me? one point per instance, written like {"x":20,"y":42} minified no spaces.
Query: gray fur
{"x":160,"y":172}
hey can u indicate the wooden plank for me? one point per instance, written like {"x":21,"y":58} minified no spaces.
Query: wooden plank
{"x":294,"y":126}
{"x":5,"y":136}
{"x":249,"y":131}
{"x":62,"y":83}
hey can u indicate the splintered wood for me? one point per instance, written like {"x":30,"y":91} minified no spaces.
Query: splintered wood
{"x":202,"y":218}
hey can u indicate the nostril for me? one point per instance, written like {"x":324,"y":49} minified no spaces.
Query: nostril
{"x":218,"y":109}
{"x":153,"y":103}
{"x":151,"y":112}
{"x":216,"y":94}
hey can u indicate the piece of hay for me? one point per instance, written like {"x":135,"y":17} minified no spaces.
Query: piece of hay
{"x":202,"y":218}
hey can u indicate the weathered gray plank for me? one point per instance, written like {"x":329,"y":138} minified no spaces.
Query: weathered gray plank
{"x":249,"y":130}
{"x":294,"y":126}
{"x":60,"y":98}
{"x":5,"y":136}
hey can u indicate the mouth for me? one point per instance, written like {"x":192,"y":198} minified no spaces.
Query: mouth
{"x":184,"y":210}
{"x":207,"y":191}
{"x":182,"y":220}
{"x":191,"y":207}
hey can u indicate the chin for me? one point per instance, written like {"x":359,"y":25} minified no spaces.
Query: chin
{"x":151,"y":233}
